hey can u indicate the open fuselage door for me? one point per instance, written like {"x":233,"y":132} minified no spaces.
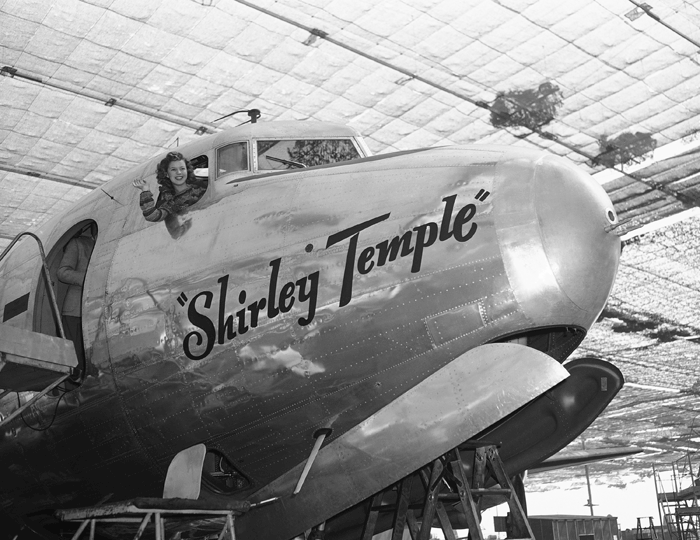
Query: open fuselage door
{"x":40,"y":359}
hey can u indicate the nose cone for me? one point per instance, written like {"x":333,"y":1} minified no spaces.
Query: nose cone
{"x":554,"y":226}
{"x":575,"y":217}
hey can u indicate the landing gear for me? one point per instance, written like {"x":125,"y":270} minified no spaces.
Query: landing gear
{"x":444,"y":494}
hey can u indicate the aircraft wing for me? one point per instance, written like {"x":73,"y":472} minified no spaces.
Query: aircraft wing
{"x":572,"y":458}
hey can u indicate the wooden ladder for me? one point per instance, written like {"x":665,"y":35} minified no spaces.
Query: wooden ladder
{"x":445,"y":482}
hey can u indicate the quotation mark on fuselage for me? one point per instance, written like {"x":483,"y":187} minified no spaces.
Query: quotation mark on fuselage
{"x":182,"y":299}
{"x":481,"y":196}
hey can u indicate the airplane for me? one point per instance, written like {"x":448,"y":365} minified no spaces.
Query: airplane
{"x":371,"y":312}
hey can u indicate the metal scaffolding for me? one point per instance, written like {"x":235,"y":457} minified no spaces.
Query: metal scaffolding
{"x":677,"y":491}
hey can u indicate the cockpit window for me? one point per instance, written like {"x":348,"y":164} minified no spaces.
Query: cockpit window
{"x":297,"y":154}
{"x":232,"y":158}
{"x":200,"y":164}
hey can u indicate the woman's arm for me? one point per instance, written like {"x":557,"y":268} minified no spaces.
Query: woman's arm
{"x":151,"y":210}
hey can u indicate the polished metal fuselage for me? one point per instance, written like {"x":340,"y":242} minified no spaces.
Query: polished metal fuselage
{"x":297,"y":301}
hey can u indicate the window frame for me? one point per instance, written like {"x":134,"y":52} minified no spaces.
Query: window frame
{"x":232,"y":175}
{"x":256,"y":164}
{"x":232,"y":179}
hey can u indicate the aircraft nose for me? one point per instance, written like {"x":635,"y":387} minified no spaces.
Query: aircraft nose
{"x":576,"y":220}
{"x":563,"y":257}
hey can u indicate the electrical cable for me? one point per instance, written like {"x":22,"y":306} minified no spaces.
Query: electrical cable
{"x":53,"y":416}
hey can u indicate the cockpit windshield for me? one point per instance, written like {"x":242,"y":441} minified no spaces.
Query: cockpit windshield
{"x":232,"y":158}
{"x":296,"y":154}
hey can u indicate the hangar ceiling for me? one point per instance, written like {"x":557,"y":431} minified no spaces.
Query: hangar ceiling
{"x":90,"y":88}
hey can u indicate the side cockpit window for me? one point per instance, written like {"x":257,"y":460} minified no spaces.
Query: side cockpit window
{"x":178,"y":184}
{"x":232,"y":159}
{"x":297,"y":154}
{"x":200,"y":165}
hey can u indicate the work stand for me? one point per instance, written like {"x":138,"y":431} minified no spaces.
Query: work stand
{"x":447,"y":490}
{"x":179,"y":506}
{"x":149,"y":513}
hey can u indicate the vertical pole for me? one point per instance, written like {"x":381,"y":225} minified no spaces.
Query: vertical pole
{"x":229,"y":522}
{"x":478,"y":475}
{"x":371,"y":519}
{"x":92,"y":529}
{"x":469,"y":507}
{"x":403,"y":496}
{"x":432,"y":490}
{"x":590,"y":496}
{"x":159,"y":524}
{"x":675,"y":477}
{"x":659,"y":504}
{"x":588,"y":481}
{"x":692,"y":479}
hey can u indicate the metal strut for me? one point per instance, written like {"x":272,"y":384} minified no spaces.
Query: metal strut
{"x":447,"y":489}
{"x":47,"y":277}
{"x":35,"y":353}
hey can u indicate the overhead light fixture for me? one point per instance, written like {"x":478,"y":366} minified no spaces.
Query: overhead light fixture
{"x":642,"y":9}
{"x":7,"y":71}
{"x":637,"y":12}
{"x":310,"y":40}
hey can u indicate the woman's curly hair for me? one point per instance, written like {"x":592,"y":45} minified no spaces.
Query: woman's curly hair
{"x":162,"y":171}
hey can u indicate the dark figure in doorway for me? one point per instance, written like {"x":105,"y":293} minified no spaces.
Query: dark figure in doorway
{"x":72,"y":271}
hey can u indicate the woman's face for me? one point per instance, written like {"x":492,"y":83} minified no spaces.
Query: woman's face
{"x":177,"y":173}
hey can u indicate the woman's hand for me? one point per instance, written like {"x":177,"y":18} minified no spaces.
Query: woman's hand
{"x":140,"y":184}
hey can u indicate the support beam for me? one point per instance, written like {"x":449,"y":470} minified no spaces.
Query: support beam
{"x":433,"y":484}
{"x":403,"y":498}
{"x":108,"y":101}
{"x":371,"y":519}
{"x":46,"y":176}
